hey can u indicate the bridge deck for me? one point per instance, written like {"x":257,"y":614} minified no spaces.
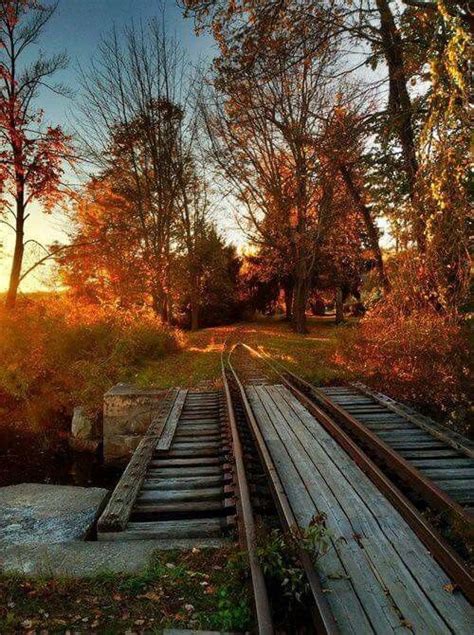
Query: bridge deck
{"x":178,"y":492}
{"x":378,"y":575}
{"x":438,"y":453}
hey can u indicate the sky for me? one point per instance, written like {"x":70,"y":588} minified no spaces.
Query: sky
{"x":77,"y":28}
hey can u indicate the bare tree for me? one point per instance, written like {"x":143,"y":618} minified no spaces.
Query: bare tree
{"x":264,"y":140}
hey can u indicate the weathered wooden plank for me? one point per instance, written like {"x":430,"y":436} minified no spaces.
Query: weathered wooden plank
{"x":169,"y":529}
{"x":186,"y":462}
{"x":449,"y":474}
{"x":199,"y":421}
{"x":196,"y":453}
{"x":186,"y":483}
{"x":342,"y":597}
{"x":167,"y":496}
{"x":428,"y":454}
{"x":189,"y":438}
{"x":179,"y":507}
{"x":455,"y":610}
{"x":119,"y":507}
{"x":198,"y":428}
{"x":380,"y":427}
{"x":396,"y":435}
{"x":389,"y":589}
{"x":171,"y":422}
{"x":196,"y":443}
{"x":416,"y":445}
{"x":184,"y":472}
{"x":443,"y":463}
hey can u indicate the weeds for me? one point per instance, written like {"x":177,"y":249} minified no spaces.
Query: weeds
{"x":279,"y":557}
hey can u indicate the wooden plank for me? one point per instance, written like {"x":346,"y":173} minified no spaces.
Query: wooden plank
{"x":455,"y":609}
{"x":389,"y":588}
{"x":400,"y":429}
{"x":189,"y":438}
{"x":179,"y":507}
{"x":342,"y":597}
{"x":186,"y":483}
{"x":166,"y":496}
{"x":186,"y":462}
{"x":449,"y":474}
{"x":196,"y":444}
{"x":428,"y":454}
{"x":443,"y":463}
{"x":169,"y":529}
{"x":196,"y":453}
{"x":184,"y":472}
{"x":417,"y":445}
{"x":172,"y":421}
{"x":119,"y":507}
{"x":396,"y":435}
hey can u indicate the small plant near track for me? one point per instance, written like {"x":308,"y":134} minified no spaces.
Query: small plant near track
{"x":278,"y":555}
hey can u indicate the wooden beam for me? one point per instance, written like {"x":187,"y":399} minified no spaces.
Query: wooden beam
{"x":119,"y":507}
{"x":169,"y":430}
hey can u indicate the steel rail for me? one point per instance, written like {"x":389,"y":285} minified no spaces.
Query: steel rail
{"x":247,"y":531}
{"x":322,"y":616}
{"x":442,"y":552}
{"x":437,"y":498}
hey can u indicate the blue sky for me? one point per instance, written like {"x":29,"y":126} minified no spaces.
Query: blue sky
{"x":78,"y":25}
{"x":77,"y":28}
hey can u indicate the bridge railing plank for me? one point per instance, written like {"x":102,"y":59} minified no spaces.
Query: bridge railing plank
{"x":118,"y":510}
{"x":169,"y":430}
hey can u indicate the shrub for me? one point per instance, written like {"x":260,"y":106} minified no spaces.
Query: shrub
{"x":62,"y":354}
{"x":420,"y":357}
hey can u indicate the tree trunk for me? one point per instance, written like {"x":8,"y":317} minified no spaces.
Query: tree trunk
{"x":288,"y":290}
{"x":400,"y":107}
{"x":164,"y":310}
{"x":299,"y":305}
{"x":17,"y":262}
{"x":370,"y":227}
{"x":339,"y":306}
{"x":194,"y":308}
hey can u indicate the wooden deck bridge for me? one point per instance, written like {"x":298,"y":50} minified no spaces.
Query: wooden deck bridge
{"x":386,"y":570}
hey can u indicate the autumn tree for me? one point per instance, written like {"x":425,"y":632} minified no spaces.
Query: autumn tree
{"x":418,"y":52}
{"x":105,"y":263}
{"x":263,"y":138}
{"x":138,"y":122}
{"x":31,"y":155}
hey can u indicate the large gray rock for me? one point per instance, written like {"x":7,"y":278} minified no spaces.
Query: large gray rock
{"x":38,"y":513}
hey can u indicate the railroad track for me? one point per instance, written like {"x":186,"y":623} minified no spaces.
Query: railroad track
{"x":268,"y":402}
{"x":178,"y":485}
{"x":215,"y":464}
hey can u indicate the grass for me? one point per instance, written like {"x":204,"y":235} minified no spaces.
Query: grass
{"x":312,"y":356}
{"x":197,"y":364}
{"x":199,"y":589}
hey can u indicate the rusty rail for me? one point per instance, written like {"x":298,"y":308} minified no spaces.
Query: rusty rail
{"x":322,"y":615}
{"x":247,"y":526}
{"x":442,"y":552}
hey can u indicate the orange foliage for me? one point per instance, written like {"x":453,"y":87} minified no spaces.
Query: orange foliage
{"x":57,"y":354}
{"x":423,"y":357}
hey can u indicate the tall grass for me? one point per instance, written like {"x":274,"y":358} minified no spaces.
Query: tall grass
{"x":56,"y":354}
